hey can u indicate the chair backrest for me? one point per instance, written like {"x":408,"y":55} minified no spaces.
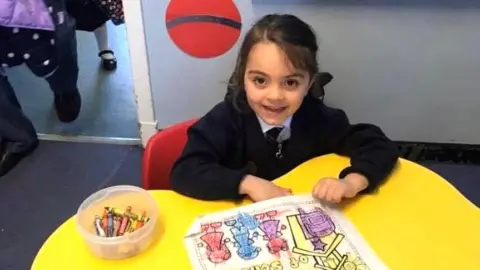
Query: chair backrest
{"x":161,"y":152}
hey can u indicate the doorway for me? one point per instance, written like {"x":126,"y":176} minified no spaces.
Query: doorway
{"x":108,"y":111}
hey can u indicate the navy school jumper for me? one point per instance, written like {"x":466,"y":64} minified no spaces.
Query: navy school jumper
{"x":226,"y":144}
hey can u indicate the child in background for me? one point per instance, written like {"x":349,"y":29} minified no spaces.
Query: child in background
{"x":271,"y":122}
{"x":92,"y":16}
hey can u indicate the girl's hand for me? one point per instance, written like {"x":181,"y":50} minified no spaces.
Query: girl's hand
{"x":334,"y":190}
{"x":259,"y":189}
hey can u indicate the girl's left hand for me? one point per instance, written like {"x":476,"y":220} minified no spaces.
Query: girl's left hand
{"x":334,"y":190}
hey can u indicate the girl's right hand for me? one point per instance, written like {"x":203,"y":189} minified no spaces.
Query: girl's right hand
{"x":259,"y":189}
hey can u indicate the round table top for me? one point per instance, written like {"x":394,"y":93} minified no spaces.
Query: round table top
{"x":417,"y":220}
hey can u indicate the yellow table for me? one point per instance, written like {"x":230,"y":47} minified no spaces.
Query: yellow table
{"x":417,"y":221}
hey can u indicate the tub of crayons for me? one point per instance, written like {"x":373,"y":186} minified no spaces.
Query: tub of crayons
{"x":118,"y":222}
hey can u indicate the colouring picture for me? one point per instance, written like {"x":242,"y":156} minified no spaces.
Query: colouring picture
{"x":295,"y":232}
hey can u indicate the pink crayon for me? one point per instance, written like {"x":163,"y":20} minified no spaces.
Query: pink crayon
{"x":123,"y":226}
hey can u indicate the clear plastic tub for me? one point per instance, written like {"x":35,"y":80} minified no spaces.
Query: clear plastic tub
{"x":118,"y":197}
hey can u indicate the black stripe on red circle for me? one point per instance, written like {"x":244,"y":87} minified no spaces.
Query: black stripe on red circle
{"x":204,"y":18}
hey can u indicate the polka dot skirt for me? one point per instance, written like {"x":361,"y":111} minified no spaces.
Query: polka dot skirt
{"x":114,"y":9}
{"x":35,"y":48}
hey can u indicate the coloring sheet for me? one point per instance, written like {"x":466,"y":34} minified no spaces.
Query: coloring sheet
{"x":295,"y":232}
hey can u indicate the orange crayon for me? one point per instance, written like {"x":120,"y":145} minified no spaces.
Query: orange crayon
{"x":105,"y":220}
{"x":141,"y":221}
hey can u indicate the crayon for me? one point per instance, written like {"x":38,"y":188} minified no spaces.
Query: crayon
{"x":119,"y":212}
{"x":129,"y":225}
{"x":115,"y":211}
{"x":123,"y":225}
{"x":98,"y":226}
{"x":140,"y":222}
{"x":110,"y":228}
{"x":133,"y":225}
{"x":116,"y":222}
{"x":128,"y":213}
{"x":128,"y":210}
{"x":116,"y":225}
{"x":105,"y":220}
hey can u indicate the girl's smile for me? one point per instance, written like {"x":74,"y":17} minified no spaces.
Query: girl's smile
{"x":274,"y":110}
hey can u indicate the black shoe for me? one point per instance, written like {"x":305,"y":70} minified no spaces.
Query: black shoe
{"x":108,"y":64}
{"x":9,"y":160}
{"x":68,"y":106}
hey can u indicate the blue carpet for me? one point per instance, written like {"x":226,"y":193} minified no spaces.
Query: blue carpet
{"x":465,"y":178}
{"x":46,"y":189}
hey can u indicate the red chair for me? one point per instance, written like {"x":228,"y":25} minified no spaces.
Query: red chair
{"x":161,"y":152}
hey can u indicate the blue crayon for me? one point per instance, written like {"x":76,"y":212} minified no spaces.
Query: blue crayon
{"x":110,"y":228}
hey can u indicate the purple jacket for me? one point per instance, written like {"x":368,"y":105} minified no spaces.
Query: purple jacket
{"x":32,"y":14}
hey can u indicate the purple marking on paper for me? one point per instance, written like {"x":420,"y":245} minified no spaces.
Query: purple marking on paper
{"x":316,"y":224}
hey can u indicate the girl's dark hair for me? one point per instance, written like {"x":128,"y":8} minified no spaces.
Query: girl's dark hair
{"x":296,"y":38}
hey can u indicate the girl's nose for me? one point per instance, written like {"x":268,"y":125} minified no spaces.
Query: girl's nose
{"x":275,"y":94}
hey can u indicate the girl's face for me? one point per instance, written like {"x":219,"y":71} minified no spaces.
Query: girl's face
{"x":274,"y":89}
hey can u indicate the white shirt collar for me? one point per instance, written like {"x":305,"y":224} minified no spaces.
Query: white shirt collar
{"x":266,"y":127}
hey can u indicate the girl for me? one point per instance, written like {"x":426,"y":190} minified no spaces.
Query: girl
{"x":271,"y":122}
{"x":92,"y":16}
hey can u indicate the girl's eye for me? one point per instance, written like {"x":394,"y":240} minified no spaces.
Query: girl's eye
{"x":260,"y":81}
{"x":291,"y":84}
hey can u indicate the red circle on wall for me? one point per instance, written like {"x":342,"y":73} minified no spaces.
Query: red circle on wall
{"x":203,"y":28}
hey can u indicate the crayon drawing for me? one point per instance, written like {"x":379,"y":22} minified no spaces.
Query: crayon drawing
{"x":214,"y":243}
{"x":295,"y":232}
